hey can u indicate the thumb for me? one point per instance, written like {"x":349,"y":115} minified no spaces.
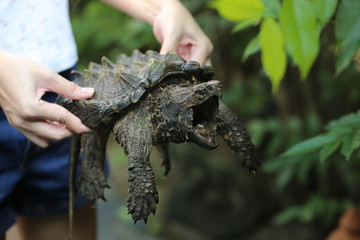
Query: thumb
{"x":69,"y":89}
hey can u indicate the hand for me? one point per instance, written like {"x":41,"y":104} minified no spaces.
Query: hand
{"x":176,"y":29}
{"x":22,"y":84}
{"x":173,"y":26}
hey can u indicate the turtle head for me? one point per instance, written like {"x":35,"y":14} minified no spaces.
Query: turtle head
{"x":190,"y":113}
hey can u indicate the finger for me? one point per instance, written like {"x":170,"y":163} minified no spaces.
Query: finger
{"x":42,"y":133}
{"x":208,"y":62}
{"x":169,"y":44}
{"x":39,"y":141}
{"x":49,"y":132}
{"x":200,"y":54}
{"x":67,"y":88}
{"x":57,"y":113}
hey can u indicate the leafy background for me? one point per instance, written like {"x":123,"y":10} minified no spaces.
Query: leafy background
{"x":289,"y":70}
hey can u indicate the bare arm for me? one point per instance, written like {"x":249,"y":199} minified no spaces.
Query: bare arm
{"x":173,"y":26}
{"x":144,"y":10}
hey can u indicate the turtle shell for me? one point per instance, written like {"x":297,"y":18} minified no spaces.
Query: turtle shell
{"x":121,"y":84}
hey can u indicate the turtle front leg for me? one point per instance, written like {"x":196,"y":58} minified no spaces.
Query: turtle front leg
{"x":92,"y":181}
{"x":143,"y":193}
{"x":136,"y":140}
{"x":231,"y":128}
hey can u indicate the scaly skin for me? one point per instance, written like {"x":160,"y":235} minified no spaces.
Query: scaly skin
{"x":231,"y":128}
{"x":137,"y":142}
{"x":149,"y":99}
{"x":92,"y":180}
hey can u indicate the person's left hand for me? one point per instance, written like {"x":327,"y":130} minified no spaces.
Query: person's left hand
{"x":176,"y":29}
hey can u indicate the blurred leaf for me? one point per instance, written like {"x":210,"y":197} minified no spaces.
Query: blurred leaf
{"x":316,"y":207}
{"x":329,"y":149}
{"x":313,"y":124}
{"x":235,"y":10}
{"x":287,"y":215}
{"x":252,"y":47}
{"x":245,"y":24}
{"x":355,"y":143}
{"x":301,"y":33}
{"x":272,"y":8}
{"x":341,"y":131}
{"x":345,"y":57}
{"x":273,"y":55}
{"x":310,"y":145}
{"x":304,"y":169}
{"x":347,"y":121}
{"x":346,"y":149}
{"x":284,"y":177}
{"x":257,"y":131}
{"x":344,"y":131}
{"x":324,"y":9}
{"x":347,"y":32}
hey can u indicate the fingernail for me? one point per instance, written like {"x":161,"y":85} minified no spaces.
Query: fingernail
{"x":88,"y":90}
{"x":86,"y":129}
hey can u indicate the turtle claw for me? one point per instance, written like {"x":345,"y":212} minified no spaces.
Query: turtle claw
{"x":252,"y":165}
{"x":140,"y":206}
{"x":103,"y":198}
{"x":167,"y":167}
{"x":92,"y":187}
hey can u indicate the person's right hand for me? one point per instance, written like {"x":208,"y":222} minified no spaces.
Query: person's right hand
{"x":22,"y":84}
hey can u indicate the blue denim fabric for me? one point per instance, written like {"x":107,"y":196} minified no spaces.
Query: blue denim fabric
{"x":33,"y":181}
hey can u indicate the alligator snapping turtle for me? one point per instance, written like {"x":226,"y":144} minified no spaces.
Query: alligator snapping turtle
{"x":145,"y":100}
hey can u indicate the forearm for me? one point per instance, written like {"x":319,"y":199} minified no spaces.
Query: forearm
{"x":144,"y":10}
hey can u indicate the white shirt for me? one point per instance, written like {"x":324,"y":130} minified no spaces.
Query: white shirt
{"x":39,"y":30}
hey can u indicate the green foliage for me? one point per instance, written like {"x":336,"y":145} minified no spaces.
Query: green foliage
{"x":287,"y":169}
{"x":324,"y":10}
{"x":301,"y":22}
{"x":310,"y":145}
{"x":285,"y":134}
{"x":252,"y":47}
{"x":273,"y":54}
{"x":342,"y":134}
{"x":235,"y":10}
{"x":294,"y":28}
{"x":315,"y":207}
{"x":340,"y":140}
{"x":347,"y":25}
{"x":301,"y":32}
